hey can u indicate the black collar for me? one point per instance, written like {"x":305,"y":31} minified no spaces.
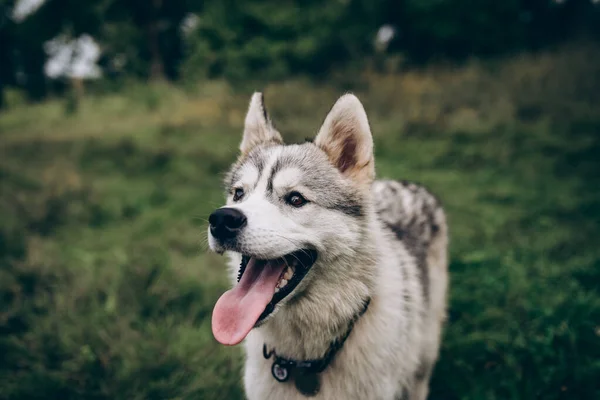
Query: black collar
{"x":306,"y":372}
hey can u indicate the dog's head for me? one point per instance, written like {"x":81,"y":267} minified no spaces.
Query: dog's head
{"x":291,"y":210}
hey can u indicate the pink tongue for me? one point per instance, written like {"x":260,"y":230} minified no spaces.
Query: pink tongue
{"x":238,"y":309}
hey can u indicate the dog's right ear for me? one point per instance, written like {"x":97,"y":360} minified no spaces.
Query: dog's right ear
{"x":346,"y":139}
{"x":258,"y":128}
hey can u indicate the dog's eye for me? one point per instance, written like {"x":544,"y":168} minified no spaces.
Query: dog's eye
{"x":238,"y":194}
{"x":295,"y":199}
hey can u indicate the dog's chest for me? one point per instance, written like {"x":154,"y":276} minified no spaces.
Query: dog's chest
{"x":339,"y":381}
{"x":376,"y":362}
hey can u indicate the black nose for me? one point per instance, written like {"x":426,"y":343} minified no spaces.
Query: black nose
{"x":225,"y":223}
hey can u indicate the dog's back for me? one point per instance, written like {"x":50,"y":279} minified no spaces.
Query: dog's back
{"x":418,"y":221}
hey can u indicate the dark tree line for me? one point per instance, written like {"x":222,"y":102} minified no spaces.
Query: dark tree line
{"x":238,"y":39}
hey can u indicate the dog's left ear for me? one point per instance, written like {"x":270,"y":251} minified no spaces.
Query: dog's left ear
{"x":258,"y":128}
{"x":346,"y":138}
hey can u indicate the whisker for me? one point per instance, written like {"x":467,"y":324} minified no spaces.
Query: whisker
{"x":211,"y":203}
{"x":285,"y":261}
{"x":194,"y":217}
{"x":295,"y":244}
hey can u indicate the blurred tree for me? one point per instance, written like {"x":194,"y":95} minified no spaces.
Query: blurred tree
{"x":147,"y":33}
{"x":242,"y":39}
{"x":144,"y":35}
{"x":7,"y":41}
{"x":239,"y":39}
{"x":24,"y":56}
{"x":459,"y":28}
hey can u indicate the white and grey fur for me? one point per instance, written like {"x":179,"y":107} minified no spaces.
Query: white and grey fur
{"x":383,"y":240}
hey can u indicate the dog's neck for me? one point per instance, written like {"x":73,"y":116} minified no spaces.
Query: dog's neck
{"x":310,"y":322}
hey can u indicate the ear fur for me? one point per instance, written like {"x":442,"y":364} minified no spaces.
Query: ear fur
{"x":346,"y":139}
{"x":257,"y":126}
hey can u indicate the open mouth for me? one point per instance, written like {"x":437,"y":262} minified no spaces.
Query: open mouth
{"x":261,"y":285}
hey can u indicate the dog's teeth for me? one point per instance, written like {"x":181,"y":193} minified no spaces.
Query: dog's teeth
{"x":288,"y":274}
{"x":276,"y":289}
{"x":282,"y":283}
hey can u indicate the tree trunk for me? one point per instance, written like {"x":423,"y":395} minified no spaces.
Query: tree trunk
{"x":78,"y":87}
{"x":157,"y":69}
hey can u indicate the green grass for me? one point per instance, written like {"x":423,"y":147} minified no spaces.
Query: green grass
{"x":107,"y":288}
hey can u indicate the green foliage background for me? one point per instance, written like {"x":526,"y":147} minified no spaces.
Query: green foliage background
{"x":106,"y":289}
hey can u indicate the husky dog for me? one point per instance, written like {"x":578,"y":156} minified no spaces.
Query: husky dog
{"x":339,"y":280}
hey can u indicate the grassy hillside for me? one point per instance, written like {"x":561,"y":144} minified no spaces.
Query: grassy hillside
{"x":107,"y":289}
